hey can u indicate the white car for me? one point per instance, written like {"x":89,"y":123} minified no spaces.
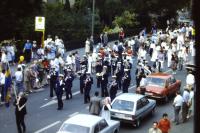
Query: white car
{"x":85,"y":123}
{"x":131,"y":108}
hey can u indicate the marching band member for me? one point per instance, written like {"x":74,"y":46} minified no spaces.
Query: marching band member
{"x":126,"y":80}
{"x":82,"y":79}
{"x":139,"y":72}
{"x":59,"y":91}
{"x":99,"y":69}
{"x":113,"y":88}
{"x":53,"y":79}
{"x":68,"y":84}
{"x":87,"y":88}
{"x":113,"y":64}
{"x":104,"y":82}
{"x":119,"y":73}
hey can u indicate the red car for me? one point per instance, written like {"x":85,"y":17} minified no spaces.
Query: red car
{"x":161,"y":86}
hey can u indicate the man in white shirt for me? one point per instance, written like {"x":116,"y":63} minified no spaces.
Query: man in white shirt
{"x":115,"y":47}
{"x":2,"y":83}
{"x":190,"y":80}
{"x":178,"y":101}
{"x":19,"y":80}
{"x":143,"y":84}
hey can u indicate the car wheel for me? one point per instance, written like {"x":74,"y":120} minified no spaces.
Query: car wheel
{"x":116,"y":131}
{"x":138,"y":122}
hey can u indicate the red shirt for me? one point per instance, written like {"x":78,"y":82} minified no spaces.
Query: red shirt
{"x":121,"y":34}
{"x":164,"y":125}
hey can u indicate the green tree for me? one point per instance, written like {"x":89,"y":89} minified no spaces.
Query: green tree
{"x":126,"y":20}
{"x":13,"y":15}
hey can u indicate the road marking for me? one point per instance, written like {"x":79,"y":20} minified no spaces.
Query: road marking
{"x":39,"y":90}
{"x":54,"y":101}
{"x":73,"y":114}
{"x":168,"y":71}
{"x":47,"y":127}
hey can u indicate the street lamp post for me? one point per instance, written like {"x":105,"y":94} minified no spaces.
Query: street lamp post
{"x":93,"y":10}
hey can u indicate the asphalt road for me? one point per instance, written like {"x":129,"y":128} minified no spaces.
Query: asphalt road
{"x":43,"y":117}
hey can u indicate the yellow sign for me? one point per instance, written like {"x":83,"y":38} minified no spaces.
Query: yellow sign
{"x":39,"y":23}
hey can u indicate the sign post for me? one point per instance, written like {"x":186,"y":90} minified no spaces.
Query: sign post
{"x":40,"y":26}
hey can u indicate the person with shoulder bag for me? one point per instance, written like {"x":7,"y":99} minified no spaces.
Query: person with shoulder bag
{"x":20,"y":112}
{"x":105,"y":113}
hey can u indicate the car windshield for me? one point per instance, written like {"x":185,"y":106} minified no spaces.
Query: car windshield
{"x":155,"y":81}
{"x":72,"y":128}
{"x":123,"y":105}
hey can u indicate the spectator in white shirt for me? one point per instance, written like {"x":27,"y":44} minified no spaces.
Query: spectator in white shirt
{"x":143,"y":84}
{"x":2,"y":83}
{"x":4,"y":59}
{"x":19,"y":80}
{"x":190,"y":80}
{"x":115,"y":47}
{"x":178,"y":101}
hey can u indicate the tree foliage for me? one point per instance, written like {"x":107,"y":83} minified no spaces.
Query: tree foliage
{"x":127,"y":20}
{"x":14,"y":15}
{"x":17,"y":16}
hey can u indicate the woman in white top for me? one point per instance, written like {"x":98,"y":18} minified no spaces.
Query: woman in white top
{"x":90,"y":63}
{"x":106,"y":108}
{"x":87,"y":46}
{"x":169,"y":56}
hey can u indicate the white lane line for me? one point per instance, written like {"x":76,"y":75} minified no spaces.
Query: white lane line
{"x":47,"y":127}
{"x":168,"y":71}
{"x":54,"y":101}
{"x":73,"y":114}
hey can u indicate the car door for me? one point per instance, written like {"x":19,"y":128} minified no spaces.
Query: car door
{"x":139,"y":109}
{"x":146,"y":106}
{"x":102,"y":127}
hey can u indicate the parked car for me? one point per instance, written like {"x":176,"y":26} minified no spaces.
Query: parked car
{"x":161,"y":86}
{"x":85,"y":123}
{"x":131,"y":108}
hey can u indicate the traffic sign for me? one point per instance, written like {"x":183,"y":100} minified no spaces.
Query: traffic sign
{"x":39,"y":23}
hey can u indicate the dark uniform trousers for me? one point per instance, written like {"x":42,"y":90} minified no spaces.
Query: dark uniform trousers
{"x":59,"y":93}
{"x":113,"y":91}
{"x":68,"y":87}
{"x":82,"y":84}
{"x":126,"y":84}
{"x":87,"y":88}
{"x":104,"y":90}
{"x":53,"y":80}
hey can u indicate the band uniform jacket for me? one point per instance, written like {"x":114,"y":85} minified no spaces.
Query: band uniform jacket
{"x":59,"y":87}
{"x":68,"y":81}
{"x":113,"y":89}
{"x":88,"y":83}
